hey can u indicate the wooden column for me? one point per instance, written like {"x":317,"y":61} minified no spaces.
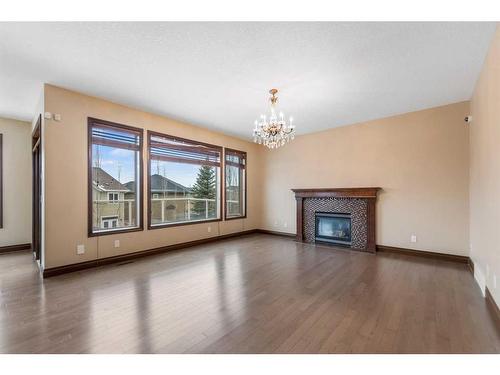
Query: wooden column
{"x":370,"y":217}
{"x":300,"y":213}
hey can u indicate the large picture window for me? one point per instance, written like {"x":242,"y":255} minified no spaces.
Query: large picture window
{"x":184,"y":181}
{"x":115,"y":178}
{"x":235,"y":187}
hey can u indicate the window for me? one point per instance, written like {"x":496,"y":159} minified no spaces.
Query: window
{"x":184,"y":181}
{"x":113,"y":196}
{"x":115,"y":178}
{"x":109,"y":222}
{"x":235,"y":187}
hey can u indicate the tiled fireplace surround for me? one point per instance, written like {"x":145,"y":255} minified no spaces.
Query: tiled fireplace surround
{"x":359,"y":202}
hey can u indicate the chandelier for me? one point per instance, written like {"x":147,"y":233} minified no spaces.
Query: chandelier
{"x":273,"y":132}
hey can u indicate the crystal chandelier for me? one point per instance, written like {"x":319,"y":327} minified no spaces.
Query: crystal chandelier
{"x":273,"y":132}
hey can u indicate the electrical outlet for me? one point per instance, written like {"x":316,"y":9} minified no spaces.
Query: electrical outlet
{"x":413,"y":238}
{"x":117,"y":243}
{"x":80,"y":249}
{"x":285,"y":224}
{"x":209,"y":229}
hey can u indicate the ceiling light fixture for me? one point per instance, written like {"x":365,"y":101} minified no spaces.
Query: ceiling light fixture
{"x":274,"y":132}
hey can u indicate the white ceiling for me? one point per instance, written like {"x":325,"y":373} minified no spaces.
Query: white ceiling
{"x":217,"y":75}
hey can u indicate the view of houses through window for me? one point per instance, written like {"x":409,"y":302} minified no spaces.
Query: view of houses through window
{"x":184,"y":179}
{"x":184,"y":182}
{"x":115,"y":178}
{"x":235,"y":183}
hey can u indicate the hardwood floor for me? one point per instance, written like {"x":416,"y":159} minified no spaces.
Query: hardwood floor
{"x":253,"y":294}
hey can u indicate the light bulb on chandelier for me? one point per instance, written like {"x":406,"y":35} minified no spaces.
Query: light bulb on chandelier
{"x":275,"y":132}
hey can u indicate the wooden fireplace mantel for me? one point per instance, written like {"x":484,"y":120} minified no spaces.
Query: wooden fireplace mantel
{"x":368,"y":193}
{"x":363,"y":192}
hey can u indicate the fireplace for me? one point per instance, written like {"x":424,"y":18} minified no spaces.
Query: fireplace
{"x":333,"y":228}
{"x":352,"y":224}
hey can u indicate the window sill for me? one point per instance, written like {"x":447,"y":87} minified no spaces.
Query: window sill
{"x":118,"y":231}
{"x":235,"y":217}
{"x":170,"y":225}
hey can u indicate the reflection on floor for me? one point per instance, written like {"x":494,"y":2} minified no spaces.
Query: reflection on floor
{"x":252,"y":294}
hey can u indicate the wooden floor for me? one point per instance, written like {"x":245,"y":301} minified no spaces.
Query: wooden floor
{"x":252,"y":294}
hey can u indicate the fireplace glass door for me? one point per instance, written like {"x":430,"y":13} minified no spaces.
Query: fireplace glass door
{"x":333,"y":227}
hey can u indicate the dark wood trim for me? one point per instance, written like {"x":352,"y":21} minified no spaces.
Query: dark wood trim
{"x":234,"y":218}
{"x":370,"y":217}
{"x":91,"y":121}
{"x":422,"y":253}
{"x":148,"y":178}
{"x":276,"y":233}
{"x":492,"y":305}
{"x":148,"y":186}
{"x":363,"y":192}
{"x":49,"y":272}
{"x":36,"y":177}
{"x":11,"y":248}
{"x":1,"y":180}
{"x":244,"y":168}
{"x":390,"y":249}
{"x":114,"y":125}
{"x":300,"y":218}
{"x":163,"y":226}
{"x":470,"y":263}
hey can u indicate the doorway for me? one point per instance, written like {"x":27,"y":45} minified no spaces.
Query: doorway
{"x":36,"y":239}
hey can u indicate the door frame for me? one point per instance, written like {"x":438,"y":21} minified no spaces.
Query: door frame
{"x":36,"y":209}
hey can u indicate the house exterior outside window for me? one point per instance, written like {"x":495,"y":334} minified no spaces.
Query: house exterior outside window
{"x":235,"y":163}
{"x":115,"y":178}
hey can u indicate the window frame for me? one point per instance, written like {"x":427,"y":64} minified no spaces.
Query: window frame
{"x":113,"y":197}
{"x":239,"y":153}
{"x":151,"y":133}
{"x":91,"y":121}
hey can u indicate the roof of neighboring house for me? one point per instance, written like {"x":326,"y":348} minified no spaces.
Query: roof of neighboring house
{"x":160,"y":183}
{"x":104,"y":181}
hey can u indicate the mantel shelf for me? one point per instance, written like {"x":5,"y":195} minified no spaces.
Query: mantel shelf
{"x":360,"y":192}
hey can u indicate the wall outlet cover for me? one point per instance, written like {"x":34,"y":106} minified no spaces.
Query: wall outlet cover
{"x":80,"y":249}
{"x":413,"y":238}
{"x":117,"y":243}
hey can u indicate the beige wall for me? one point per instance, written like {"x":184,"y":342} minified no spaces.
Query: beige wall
{"x":420,"y":160}
{"x":485,"y":172}
{"x":66,"y":180}
{"x":16,"y":182}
